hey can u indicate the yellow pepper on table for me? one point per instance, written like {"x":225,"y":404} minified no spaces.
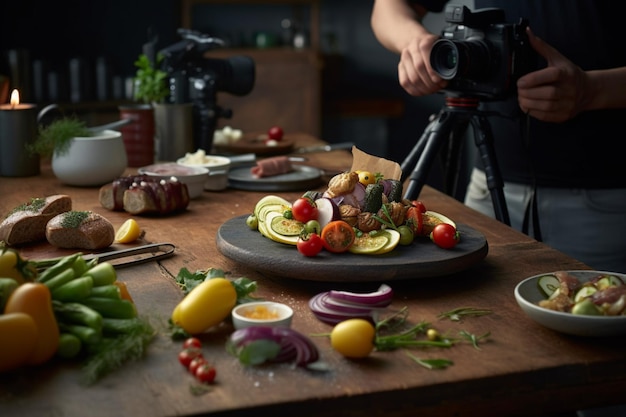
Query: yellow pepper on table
{"x":12,"y":265}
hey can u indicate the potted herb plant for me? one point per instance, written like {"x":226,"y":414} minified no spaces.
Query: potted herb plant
{"x":79,"y":155}
{"x":150,"y":88}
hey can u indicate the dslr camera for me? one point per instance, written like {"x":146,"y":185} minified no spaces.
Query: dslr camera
{"x":480,"y":55}
{"x":194,"y":78}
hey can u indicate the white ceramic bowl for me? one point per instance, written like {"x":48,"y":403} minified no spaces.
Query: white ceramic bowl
{"x":262,"y":313}
{"x":217,"y":165}
{"x":91,"y":161}
{"x":528,"y":295}
{"x":193,"y":177}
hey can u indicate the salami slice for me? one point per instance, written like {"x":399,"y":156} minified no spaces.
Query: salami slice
{"x":272,"y":166}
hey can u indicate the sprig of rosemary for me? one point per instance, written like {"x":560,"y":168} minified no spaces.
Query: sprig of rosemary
{"x":458,"y":313}
{"x":431,"y":363}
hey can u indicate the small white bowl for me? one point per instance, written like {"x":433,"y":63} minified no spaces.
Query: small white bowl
{"x":193,"y":177}
{"x":528,"y":295}
{"x":91,"y":161}
{"x":262,"y":313}
{"x":217,"y":165}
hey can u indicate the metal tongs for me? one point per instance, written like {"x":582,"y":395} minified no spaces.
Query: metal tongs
{"x":154,"y":251}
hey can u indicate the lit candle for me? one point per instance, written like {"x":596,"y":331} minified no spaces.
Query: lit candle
{"x":18,"y":129}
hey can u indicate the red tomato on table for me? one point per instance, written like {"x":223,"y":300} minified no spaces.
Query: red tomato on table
{"x":338,"y":236}
{"x":275,"y":133}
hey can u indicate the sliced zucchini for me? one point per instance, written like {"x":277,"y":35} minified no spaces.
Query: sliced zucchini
{"x":548,"y":284}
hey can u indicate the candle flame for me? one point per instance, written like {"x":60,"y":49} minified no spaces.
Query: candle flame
{"x":15,"y":98}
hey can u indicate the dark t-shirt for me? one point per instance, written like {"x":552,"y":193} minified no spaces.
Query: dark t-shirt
{"x":582,"y":152}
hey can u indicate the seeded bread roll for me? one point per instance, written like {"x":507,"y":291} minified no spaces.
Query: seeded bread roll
{"x":80,"y":230}
{"x":27,"y":223}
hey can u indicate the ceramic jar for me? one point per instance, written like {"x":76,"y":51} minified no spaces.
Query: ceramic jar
{"x":91,"y":161}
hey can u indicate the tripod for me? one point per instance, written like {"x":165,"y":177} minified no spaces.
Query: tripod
{"x":450,"y":123}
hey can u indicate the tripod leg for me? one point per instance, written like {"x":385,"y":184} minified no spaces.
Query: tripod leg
{"x":413,"y":156}
{"x":483,"y":137}
{"x":430,"y":143}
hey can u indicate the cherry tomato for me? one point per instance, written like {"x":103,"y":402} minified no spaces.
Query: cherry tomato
{"x":445,"y":235}
{"x":406,"y":235}
{"x":415,"y":220}
{"x":192,"y":342}
{"x":309,"y":244}
{"x":353,"y":338}
{"x":185,"y":356}
{"x":420,"y":205}
{"x":205,"y":373}
{"x":313,"y":226}
{"x":337,"y":236}
{"x":195,"y":364}
{"x":304,"y":209}
{"x":275,"y":133}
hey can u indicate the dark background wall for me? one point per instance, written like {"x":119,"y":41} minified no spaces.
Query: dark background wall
{"x":115,"y":30}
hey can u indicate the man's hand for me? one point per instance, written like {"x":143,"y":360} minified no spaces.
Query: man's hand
{"x":414,"y":71}
{"x":556,"y":93}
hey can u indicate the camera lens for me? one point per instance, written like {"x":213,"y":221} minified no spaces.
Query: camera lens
{"x":451,"y":59}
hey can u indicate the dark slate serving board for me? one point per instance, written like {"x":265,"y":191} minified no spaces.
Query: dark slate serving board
{"x":422,"y":259}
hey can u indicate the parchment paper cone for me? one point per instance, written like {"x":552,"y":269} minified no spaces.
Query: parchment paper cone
{"x":366,"y":162}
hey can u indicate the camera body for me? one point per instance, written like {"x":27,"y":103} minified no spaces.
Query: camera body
{"x":480,"y":55}
{"x":194,"y":78}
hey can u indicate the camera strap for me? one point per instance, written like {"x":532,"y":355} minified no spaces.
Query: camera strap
{"x":531,"y":213}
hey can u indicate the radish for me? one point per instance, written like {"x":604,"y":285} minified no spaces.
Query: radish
{"x":327,"y":211}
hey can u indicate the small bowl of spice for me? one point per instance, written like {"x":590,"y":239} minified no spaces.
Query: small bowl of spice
{"x":262,"y":313}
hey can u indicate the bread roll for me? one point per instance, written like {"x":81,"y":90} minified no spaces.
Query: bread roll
{"x":80,"y":230}
{"x":27,"y":223}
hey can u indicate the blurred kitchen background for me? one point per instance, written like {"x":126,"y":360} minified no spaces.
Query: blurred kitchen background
{"x":319,"y":68}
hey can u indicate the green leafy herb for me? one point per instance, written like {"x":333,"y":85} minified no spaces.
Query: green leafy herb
{"x":57,"y":136}
{"x":458,"y":313}
{"x":151,"y":82}
{"x":431,"y":363}
{"x":255,"y":352}
{"x":73,"y":219}
{"x":473,"y":339}
{"x":189,"y":280}
{"x":112,"y":352}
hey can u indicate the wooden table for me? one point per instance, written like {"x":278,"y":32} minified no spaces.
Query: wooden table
{"x":523,"y":369}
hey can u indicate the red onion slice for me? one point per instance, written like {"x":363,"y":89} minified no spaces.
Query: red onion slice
{"x":380,"y":298}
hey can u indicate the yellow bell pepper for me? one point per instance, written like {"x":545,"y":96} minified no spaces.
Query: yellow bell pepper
{"x":12,"y":265}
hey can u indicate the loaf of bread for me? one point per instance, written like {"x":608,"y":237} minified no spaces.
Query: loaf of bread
{"x":27,"y":222}
{"x":144,"y":194}
{"x":80,"y":230}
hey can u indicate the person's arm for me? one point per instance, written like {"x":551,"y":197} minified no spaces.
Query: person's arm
{"x":396,"y":25}
{"x":562,"y":90}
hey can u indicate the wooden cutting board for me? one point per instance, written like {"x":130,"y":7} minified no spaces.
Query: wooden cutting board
{"x":422,"y":259}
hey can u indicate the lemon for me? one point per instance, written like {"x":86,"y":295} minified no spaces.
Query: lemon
{"x":394,"y":239}
{"x":128,"y":232}
{"x":367,"y":244}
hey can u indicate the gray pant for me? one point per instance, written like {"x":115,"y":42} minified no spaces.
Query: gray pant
{"x":586,"y":224}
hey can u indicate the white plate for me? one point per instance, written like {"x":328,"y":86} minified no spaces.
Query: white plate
{"x":527,"y":294}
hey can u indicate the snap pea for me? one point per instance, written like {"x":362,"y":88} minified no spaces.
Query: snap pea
{"x":107,"y":291}
{"x":102,"y":274}
{"x":75,"y":290}
{"x":86,"y":334}
{"x":111,"y":308}
{"x":114,"y":327}
{"x":60,"y":266}
{"x":61,"y":278}
{"x":7,"y":286}
{"x":69,"y":346}
{"x":77,"y":313}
